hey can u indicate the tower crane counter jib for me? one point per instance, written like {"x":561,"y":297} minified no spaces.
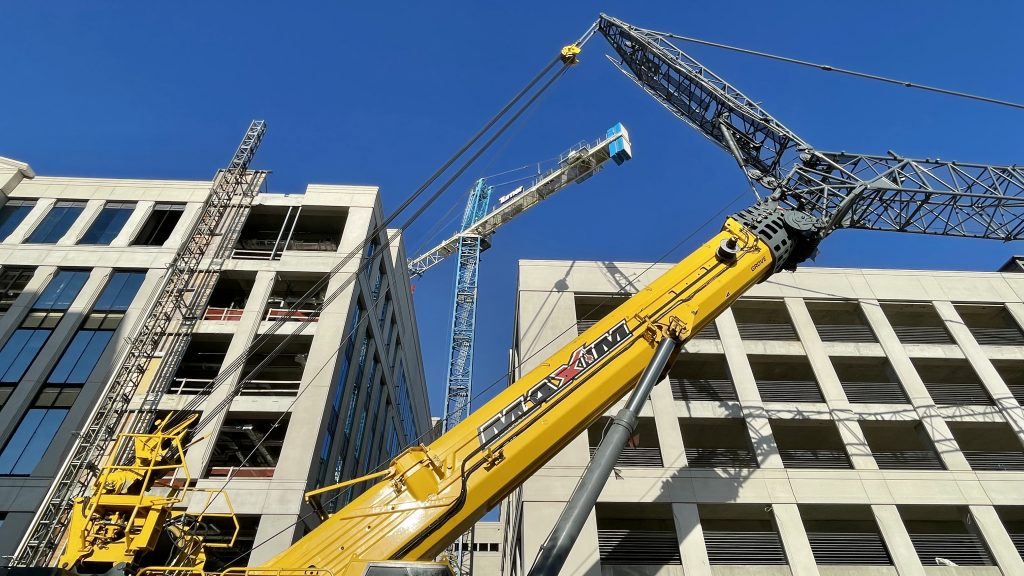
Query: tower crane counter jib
{"x":431,"y":494}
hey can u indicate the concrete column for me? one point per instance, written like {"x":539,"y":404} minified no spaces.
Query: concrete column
{"x":824,"y":372}
{"x":997,"y":389}
{"x":746,"y":390}
{"x":922,"y":401}
{"x":894,"y":533}
{"x":794,"y":540}
{"x":691,"y":540}
{"x":998,"y":541}
{"x":854,"y":439}
{"x":670,"y":438}
{"x":275,"y":533}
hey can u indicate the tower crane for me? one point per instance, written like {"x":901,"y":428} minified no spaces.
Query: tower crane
{"x":430,"y":494}
{"x":575,"y":165}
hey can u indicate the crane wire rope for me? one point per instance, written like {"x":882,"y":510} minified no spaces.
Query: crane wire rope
{"x":610,"y":298}
{"x":416,"y":214}
{"x":846,"y":71}
{"x":375,"y":233}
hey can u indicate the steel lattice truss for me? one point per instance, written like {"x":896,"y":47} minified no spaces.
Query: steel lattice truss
{"x":842,"y":190}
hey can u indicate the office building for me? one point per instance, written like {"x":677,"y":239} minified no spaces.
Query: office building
{"x":333,"y":387}
{"x":832,"y":422}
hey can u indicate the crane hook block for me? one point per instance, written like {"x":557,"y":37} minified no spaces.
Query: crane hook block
{"x":569,"y":54}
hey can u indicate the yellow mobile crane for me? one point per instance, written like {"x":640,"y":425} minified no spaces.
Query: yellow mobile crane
{"x":430,"y":494}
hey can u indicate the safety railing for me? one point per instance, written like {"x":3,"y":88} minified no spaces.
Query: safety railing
{"x":907,"y":460}
{"x":961,"y":549}
{"x":994,"y":460}
{"x":190,"y":386}
{"x":817,"y":458}
{"x":922,"y":335}
{"x":959,"y":393}
{"x":789,"y":391}
{"x":875,"y":393}
{"x":223,"y":314}
{"x":638,"y":547}
{"x":849,"y":548}
{"x":998,"y":336}
{"x":289,"y":315}
{"x":1017,"y":390}
{"x":732,"y":548}
{"x":636,"y":457}
{"x":271,"y":388}
{"x":244,"y":472}
{"x":705,"y":390}
{"x":720,"y":458}
{"x":1018,"y":543}
{"x":763,"y":331}
{"x":845,"y":333}
{"x":709,"y":332}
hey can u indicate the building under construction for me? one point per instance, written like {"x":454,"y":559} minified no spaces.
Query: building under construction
{"x":305,"y":365}
{"x":833,"y":421}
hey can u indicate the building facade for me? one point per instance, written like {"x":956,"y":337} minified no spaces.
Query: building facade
{"x":833,"y":421}
{"x":81,"y":260}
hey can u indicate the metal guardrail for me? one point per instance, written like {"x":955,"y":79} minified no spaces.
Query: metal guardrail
{"x":764,"y":331}
{"x":875,"y":393}
{"x":223,"y":314}
{"x":819,"y":458}
{"x":994,"y":460}
{"x":907,"y":460}
{"x":789,"y":391}
{"x":720,"y":458}
{"x":998,"y":336}
{"x":638,"y":547}
{"x":289,"y":315}
{"x":849,"y":548}
{"x":706,"y":390}
{"x":202,"y":386}
{"x":959,"y":393}
{"x":845,"y":333}
{"x":637,"y":457}
{"x":961,"y":549}
{"x":732,"y":548}
{"x":923,"y":335}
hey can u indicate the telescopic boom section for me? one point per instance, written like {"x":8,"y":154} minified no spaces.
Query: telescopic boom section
{"x":575,"y":166}
{"x":833,"y":190}
{"x":434,"y":493}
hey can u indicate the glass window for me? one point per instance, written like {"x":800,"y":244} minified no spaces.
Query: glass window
{"x":108,"y":223}
{"x":120,"y":290}
{"x":80,"y":357}
{"x":19,"y":351}
{"x":5,"y":394}
{"x":56,"y":222}
{"x":13,"y":280}
{"x":12,"y":214}
{"x":61,"y":290}
{"x":159,"y":225}
{"x":29,"y":442}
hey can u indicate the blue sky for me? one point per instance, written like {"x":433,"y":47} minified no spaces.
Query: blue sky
{"x":381,"y":94}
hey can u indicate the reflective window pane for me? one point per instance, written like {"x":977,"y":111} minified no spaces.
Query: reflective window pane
{"x":120,"y":291}
{"x":56,"y":223}
{"x":108,"y":223}
{"x":29,"y":442}
{"x":61,"y":290}
{"x":80,"y":357}
{"x":12,"y":214}
{"x":18,"y":353}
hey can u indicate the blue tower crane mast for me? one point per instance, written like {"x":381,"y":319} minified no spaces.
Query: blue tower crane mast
{"x":458,"y":388}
